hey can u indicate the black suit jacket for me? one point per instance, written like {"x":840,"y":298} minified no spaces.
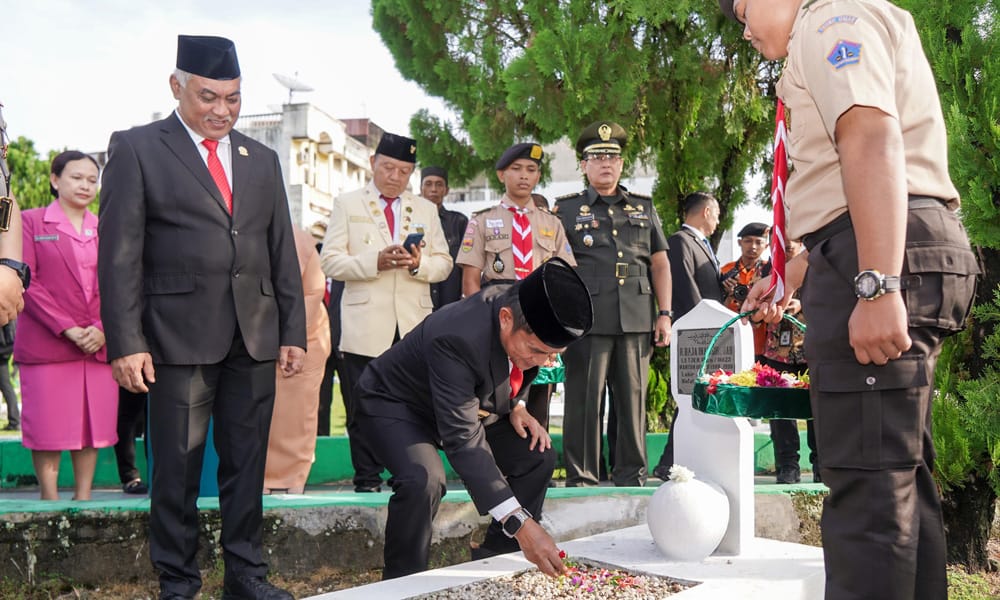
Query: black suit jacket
{"x":442,"y":374}
{"x":450,"y":290}
{"x":177,"y":273}
{"x":693,"y":272}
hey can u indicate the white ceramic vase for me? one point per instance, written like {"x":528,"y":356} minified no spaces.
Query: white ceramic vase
{"x":687,"y":517}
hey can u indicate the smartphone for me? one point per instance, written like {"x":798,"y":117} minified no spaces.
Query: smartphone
{"x":412,"y":240}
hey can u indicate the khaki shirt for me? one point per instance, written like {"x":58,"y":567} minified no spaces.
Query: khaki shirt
{"x":844,"y":53}
{"x":487,"y":243}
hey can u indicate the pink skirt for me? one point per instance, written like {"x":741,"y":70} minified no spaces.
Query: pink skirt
{"x":68,"y":405}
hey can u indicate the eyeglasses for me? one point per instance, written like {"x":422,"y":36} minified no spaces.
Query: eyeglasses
{"x":604,"y":157}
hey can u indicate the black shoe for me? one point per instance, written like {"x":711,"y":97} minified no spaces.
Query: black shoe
{"x":367,"y":489}
{"x":662,"y":472}
{"x":245,"y":587}
{"x":174,"y":596}
{"x":136,"y":486}
{"x":789,"y":474}
{"x":9,"y":427}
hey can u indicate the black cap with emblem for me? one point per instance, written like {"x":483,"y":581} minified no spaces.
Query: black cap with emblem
{"x":397,"y":146}
{"x":601,"y":137}
{"x":529,"y":150}
{"x":556,"y":303}
{"x":207,"y":56}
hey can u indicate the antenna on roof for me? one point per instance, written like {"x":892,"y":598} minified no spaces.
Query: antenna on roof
{"x":293,"y":83}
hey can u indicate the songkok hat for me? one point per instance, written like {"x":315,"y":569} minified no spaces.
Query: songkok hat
{"x":529,"y":150}
{"x":207,"y":56}
{"x":601,"y":137}
{"x":398,"y":147}
{"x":434,"y":172}
{"x":556,"y":303}
{"x":727,"y":8}
{"x":754,"y":229}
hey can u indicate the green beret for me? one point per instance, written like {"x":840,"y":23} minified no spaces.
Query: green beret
{"x":601,"y":137}
{"x":529,"y":150}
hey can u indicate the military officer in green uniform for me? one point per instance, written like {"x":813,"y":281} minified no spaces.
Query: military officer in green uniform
{"x":621,"y":255}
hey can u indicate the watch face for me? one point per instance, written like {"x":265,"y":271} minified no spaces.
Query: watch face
{"x":866,"y":285}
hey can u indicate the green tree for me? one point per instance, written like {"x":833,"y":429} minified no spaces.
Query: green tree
{"x":962,"y":42}
{"x":543,"y":69}
{"x":29,"y":174}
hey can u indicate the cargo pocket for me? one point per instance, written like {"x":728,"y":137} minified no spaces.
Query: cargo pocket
{"x":940,"y":285}
{"x":867,"y":416}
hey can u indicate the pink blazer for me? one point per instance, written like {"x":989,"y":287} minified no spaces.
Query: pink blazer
{"x":55,"y":300}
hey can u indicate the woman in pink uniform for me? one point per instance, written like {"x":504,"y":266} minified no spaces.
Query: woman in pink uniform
{"x":69,"y":398}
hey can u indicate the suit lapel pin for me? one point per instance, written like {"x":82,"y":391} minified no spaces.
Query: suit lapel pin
{"x":243,"y":151}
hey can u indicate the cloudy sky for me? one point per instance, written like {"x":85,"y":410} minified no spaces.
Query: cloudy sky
{"x":73,"y":71}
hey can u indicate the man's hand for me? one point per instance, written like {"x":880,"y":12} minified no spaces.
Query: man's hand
{"x":525,"y":424}
{"x":396,"y":257}
{"x":415,"y":253}
{"x":290,"y":360}
{"x":539,"y":548}
{"x":661,"y":331}
{"x":11,"y":295}
{"x":879,"y":329}
{"x":130,"y":371}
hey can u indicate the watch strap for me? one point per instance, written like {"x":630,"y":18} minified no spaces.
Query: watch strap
{"x":666,"y":313}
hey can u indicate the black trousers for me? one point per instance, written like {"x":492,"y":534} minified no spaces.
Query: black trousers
{"x":410,"y":452}
{"x":334,"y":364}
{"x":238,"y":394}
{"x":883,"y":535}
{"x":367,"y":468}
{"x":131,"y":424}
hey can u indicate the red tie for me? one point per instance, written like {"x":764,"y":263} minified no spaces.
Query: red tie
{"x":516,"y":379}
{"x":218,"y":173}
{"x":521,"y":243}
{"x":390,"y":219}
{"x":326,"y":292}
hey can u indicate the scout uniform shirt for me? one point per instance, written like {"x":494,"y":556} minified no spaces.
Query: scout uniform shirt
{"x":487,"y":243}
{"x":613,"y":239}
{"x":844,"y":53}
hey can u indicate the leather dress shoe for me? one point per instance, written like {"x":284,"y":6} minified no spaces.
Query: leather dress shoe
{"x":174,"y":596}
{"x":367,"y":489}
{"x":662,"y":472}
{"x":789,"y":474}
{"x":246,"y":587}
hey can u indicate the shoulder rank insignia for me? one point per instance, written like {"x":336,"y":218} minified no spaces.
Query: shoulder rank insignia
{"x":568,"y":196}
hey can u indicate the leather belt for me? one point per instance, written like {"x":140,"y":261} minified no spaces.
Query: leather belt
{"x":621,"y":270}
{"x":843,"y":222}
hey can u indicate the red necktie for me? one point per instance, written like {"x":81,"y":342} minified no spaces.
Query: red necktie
{"x":326,"y":292}
{"x":516,"y":379}
{"x":521,"y":243}
{"x":218,"y":173}
{"x":390,"y":218}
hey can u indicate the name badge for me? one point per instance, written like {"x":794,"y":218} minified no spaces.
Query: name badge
{"x":54,"y":237}
{"x":490,"y":223}
{"x":357,"y":219}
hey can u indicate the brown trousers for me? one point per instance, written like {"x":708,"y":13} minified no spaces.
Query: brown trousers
{"x":883,"y":536}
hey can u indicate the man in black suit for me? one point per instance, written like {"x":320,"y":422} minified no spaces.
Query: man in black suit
{"x":694,"y":271}
{"x":201,"y":294}
{"x":458,"y":382}
{"x":434,"y":187}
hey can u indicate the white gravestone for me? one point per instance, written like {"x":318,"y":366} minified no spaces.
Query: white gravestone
{"x":717,"y":449}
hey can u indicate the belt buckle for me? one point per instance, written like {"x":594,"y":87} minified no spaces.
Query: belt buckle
{"x":621,"y":270}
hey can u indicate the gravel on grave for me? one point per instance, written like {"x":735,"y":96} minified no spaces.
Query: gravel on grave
{"x":590,"y":579}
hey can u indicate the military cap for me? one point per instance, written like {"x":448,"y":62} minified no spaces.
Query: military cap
{"x":754,"y":229}
{"x":556,"y":303}
{"x":529,"y":150}
{"x":398,"y":147}
{"x":207,"y":56}
{"x":601,"y":137}
{"x":434,"y":172}
{"x":727,"y":8}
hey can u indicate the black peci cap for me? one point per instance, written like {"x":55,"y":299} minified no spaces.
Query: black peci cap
{"x":726,"y":6}
{"x":529,"y":150}
{"x":754,"y":229}
{"x":433,"y":172}
{"x":398,"y":147}
{"x":601,"y":137}
{"x":556,"y":303}
{"x":207,"y":56}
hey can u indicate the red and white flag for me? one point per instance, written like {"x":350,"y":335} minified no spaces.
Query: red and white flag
{"x":778,"y":180}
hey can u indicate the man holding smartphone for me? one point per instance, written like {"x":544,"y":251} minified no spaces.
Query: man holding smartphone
{"x":387,"y":286}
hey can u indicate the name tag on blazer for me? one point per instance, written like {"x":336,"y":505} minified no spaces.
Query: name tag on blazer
{"x":362,"y":219}
{"x":52,"y":237}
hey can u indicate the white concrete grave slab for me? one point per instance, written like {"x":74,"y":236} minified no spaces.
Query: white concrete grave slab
{"x":717,"y":449}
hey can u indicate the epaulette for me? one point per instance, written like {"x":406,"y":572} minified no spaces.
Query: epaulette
{"x":643,"y":196}
{"x":476,"y":213}
{"x":572,"y":195}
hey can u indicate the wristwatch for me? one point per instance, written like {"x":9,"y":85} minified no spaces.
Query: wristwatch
{"x":666,"y":313}
{"x":20,"y":268}
{"x":870,"y":284}
{"x":515,"y":521}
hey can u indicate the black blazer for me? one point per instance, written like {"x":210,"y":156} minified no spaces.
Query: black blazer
{"x":693,"y":272}
{"x":441,"y":375}
{"x":177,"y":273}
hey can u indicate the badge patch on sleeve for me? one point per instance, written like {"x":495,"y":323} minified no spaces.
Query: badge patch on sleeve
{"x":844,"y":53}
{"x":842,"y":19}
